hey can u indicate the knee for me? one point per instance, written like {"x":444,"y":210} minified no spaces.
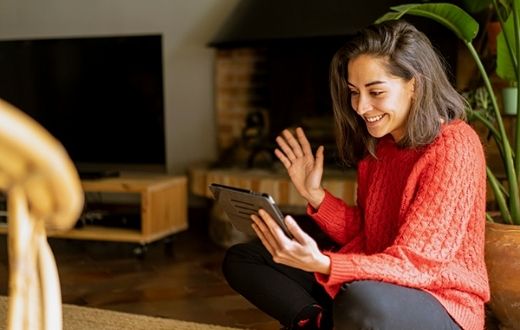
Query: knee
{"x":238,"y":258}
{"x":357,"y":307}
{"x":232,"y":258}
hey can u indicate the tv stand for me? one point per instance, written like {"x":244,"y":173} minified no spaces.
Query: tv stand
{"x":163,"y":208}
{"x":91,"y":175}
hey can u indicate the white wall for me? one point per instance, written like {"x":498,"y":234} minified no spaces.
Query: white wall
{"x":186,"y":25}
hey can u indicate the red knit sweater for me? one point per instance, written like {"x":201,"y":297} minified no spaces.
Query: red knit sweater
{"x":419,"y":222}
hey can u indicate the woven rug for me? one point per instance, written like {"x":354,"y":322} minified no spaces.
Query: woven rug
{"x":84,"y":318}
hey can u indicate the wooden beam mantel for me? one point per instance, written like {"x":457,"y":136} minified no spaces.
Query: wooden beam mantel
{"x":277,"y":184}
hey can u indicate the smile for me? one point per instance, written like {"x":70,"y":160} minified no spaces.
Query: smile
{"x":374,"y":118}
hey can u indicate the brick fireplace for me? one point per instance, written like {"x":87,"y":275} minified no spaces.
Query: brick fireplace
{"x":259,"y":91}
{"x":239,"y":90}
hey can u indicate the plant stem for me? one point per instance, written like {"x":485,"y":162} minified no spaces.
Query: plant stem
{"x":509,"y":166}
{"x":499,"y":196}
{"x":517,"y":71}
{"x":489,"y":126}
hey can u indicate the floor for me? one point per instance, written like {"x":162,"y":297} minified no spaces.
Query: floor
{"x":179,"y":279}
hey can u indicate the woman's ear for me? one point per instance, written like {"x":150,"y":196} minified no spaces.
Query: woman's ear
{"x":412,"y":85}
{"x":411,"y":88}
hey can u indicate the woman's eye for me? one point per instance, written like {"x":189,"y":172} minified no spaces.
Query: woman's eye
{"x":376,"y":93}
{"x":353,"y":92}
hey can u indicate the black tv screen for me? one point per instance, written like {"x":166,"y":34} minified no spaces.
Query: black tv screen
{"x":102,"y":97}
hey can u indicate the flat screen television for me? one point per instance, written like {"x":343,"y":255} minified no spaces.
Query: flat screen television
{"x":101,"y":97}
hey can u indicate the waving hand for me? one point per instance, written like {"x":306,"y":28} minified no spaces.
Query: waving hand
{"x":304,"y":169}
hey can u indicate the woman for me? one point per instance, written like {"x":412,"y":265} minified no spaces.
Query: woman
{"x":410,"y":254}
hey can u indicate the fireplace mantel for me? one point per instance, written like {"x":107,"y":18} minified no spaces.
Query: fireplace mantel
{"x":276,"y":183}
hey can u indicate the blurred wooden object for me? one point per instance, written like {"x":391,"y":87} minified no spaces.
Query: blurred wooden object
{"x":43,"y":194}
{"x":277,"y":184}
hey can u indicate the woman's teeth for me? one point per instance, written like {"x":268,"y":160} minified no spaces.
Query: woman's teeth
{"x":373,"y":119}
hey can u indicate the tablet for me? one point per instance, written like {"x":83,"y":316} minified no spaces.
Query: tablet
{"x":239,"y":204}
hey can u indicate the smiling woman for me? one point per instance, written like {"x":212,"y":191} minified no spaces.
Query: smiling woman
{"x":416,"y":234}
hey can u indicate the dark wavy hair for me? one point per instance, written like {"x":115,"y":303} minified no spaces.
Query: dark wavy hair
{"x":408,"y":54}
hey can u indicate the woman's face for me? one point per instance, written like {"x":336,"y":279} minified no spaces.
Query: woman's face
{"x":381,"y":99}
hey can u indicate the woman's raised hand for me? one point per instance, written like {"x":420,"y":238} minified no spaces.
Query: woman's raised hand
{"x":304,"y":168}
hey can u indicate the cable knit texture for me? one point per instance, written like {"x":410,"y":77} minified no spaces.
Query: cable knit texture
{"x":419,"y":222}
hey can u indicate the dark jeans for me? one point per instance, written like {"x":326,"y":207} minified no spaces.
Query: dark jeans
{"x":282,"y":292}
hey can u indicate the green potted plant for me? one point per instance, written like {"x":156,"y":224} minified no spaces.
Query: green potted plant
{"x":502,"y":239}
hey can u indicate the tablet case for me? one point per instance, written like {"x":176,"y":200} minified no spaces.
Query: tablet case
{"x":239,"y":204}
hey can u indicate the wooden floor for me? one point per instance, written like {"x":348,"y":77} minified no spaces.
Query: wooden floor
{"x":181,"y":280}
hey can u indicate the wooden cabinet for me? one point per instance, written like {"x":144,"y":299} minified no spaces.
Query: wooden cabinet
{"x":163,"y":209}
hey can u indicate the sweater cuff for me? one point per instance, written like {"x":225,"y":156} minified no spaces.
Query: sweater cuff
{"x":341,"y":270}
{"x":339,"y":273}
{"x":327,"y":209}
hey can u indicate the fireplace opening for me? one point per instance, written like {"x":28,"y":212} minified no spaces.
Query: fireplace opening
{"x":298,"y":87}
{"x":262,"y":90}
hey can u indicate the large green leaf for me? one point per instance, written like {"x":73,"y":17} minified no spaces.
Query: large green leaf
{"x":505,"y":65}
{"x":475,"y":6}
{"x":451,"y":16}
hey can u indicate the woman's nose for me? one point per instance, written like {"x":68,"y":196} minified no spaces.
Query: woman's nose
{"x":363,"y":105}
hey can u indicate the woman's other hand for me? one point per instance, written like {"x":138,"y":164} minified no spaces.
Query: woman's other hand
{"x":305,"y":169}
{"x":301,"y":252}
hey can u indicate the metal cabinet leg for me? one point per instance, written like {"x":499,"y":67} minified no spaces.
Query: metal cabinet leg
{"x":140,"y":250}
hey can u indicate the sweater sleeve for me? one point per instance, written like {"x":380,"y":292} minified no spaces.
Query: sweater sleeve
{"x":341,"y":222}
{"x":449,"y":178}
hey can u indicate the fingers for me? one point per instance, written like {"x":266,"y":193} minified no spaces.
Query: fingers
{"x":290,"y":145}
{"x":272,"y":225}
{"x":299,"y":252}
{"x":319,"y":158}
{"x":263,"y":238}
{"x":302,"y":139}
{"x":295,"y":144}
{"x":263,"y":227}
{"x":284,"y":146}
{"x":281,"y":156}
{"x":270,"y":228}
{"x":298,"y":234}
